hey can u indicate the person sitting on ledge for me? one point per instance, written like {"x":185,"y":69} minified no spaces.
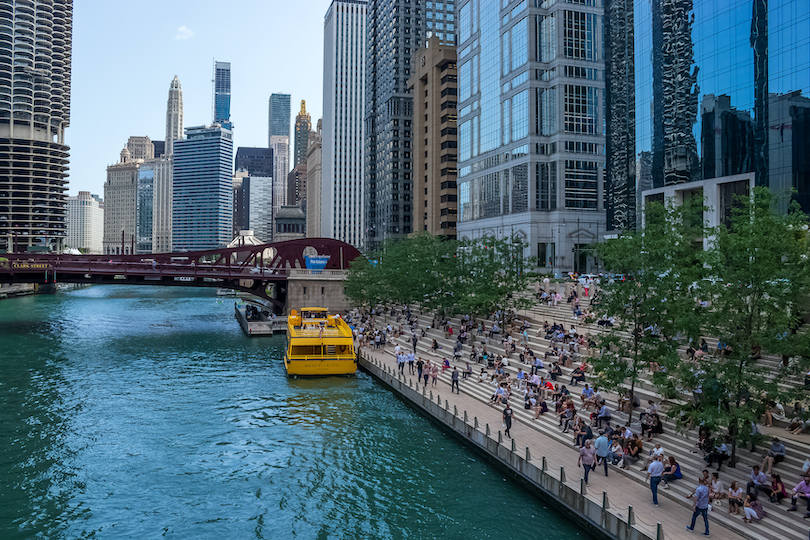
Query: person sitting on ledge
{"x":577,"y":376}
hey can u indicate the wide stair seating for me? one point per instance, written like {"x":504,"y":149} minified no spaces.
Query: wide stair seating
{"x":778,"y":524}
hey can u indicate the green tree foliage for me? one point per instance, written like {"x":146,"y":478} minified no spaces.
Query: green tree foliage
{"x":652,"y":304}
{"x":446,"y":276}
{"x":756,"y":284}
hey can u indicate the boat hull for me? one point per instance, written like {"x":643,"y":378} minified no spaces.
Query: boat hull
{"x":319,"y":367}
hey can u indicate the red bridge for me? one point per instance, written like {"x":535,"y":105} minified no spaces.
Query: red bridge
{"x":261,"y":270}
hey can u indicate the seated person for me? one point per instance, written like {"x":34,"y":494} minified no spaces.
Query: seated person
{"x":775,"y":455}
{"x":555,"y":371}
{"x":577,"y":376}
{"x":603,"y":415}
{"x":718,"y":453}
{"x":652,"y":425}
{"x":672,"y":472}
{"x":585,"y":433}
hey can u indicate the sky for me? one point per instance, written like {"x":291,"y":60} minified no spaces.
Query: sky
{"x":125,"y":55}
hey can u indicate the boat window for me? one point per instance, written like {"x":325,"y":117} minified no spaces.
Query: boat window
{"x":306,"y":350}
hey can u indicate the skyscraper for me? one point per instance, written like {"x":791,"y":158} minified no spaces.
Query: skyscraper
{"x":222,"y":94}
{"x":85,"y":222}
{"x":35,"y":63}
{"x":256,"y":161}
{"x":303,"y":124}
{"x":122,"y":197}
{"x":278,"y":117}
{"x":723,"y":103}
{"x":313,"y":190}
{"x":341,"y":199}
{"x":174,"y":115}
{"x":395,"y":30}
{"x":281,"y":164}
{"x":530,"y":134}
{"x":202,"y":201}
{"x":434,"y":81}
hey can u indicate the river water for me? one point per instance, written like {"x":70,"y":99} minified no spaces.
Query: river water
{"x":144,"y":412}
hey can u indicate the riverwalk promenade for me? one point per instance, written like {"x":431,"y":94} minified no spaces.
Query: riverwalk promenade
{"x":622,"y":496}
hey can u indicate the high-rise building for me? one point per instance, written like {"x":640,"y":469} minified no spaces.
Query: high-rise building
{"x":85,"y":229}
{"x":313,"y":189}
{"x":297,"y":184}
{"x":174,"y":115}
{"x":162,"y":170}
{"x":241,"y":202}
{"x":395,"y":30}
{"x":342,"y":194}
{"x":530,"y":135}
{"x":140,"y":148}
{"x":303,"y":125}
{"x":278,"y":117}
{"x":260,"y":206}
{"x":121,"y":200}
{"x":256,"y":161}
{"x":202,"y":191}
{"x":281,"y":165}
{"x":434,"y":85}
{"x":720,"y":101}
{"x":35,"y":64}
{"x":222,"y":94}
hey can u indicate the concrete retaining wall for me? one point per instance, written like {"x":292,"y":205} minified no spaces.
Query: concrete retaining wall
{"x":590,"y":511}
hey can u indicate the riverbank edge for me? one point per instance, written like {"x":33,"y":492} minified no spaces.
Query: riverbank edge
{"x":574,"y":505}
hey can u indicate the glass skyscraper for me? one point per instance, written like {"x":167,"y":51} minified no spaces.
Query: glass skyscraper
{"x":531,"y":135}
{"x":395,"y":30}
{"x":278,"y":117}
{"x":222,"y":94}
{"x":721,"y":96}
{"x":202,"y":191}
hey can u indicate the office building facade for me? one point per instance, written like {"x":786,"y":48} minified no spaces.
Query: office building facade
{"x":342,"y":196}
{"x":174,"y":116}
{"x":278,"y":116}
{"x":85,"y":230}
{"x":396,"y":29}
{"x":434,"y":86}
{"x":531,"y":136}
{"x":121,"y":206}
{"x":202,"y":191}
{"x":259,"y":194}
{"x":222,"y":94}
{"x":281,"y":165}
{"x":35,"y":73}
{"x":303,"y":125}
{"x":313,"y":189}
{"x":720,"y":100}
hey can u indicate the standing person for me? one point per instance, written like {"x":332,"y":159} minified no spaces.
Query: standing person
{"x":454,"y":381}
{"x":410,"y":363}
{"x":701,"y":505}
{"x":426,"y":373}
{"x":434,"y":373}
{"x":507,"y":419}
{"x":654,"y":473}
{"x":587,"y":458}
{"x":602,"y":446}
{"x":419,"y":367}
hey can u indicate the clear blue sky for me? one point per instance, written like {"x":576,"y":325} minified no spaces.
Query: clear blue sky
{"x":124,"y":60}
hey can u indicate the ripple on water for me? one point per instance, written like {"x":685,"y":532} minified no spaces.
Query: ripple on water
{"x":144,"y":412}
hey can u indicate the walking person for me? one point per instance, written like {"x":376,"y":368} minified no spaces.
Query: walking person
{"x":434,"y":373}
{"x":507,"y":420}
{"x":420,"y":364}
{"x":414,"y":339}
{"x":454,"y":381}
{"x":410,"y":363}
{"x":701,"y":505}
{"x":654,"y":473}
{"x":602,"y":446}
{"x":587,"y":458}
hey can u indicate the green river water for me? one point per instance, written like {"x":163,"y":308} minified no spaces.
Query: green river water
{"x":145,"y":412}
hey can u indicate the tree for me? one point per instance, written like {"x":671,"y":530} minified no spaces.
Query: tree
{"x":653,"y":304}
{"x":757,"y":268}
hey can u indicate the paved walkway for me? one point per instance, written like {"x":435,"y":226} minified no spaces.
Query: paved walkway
{"x":622,"y":491}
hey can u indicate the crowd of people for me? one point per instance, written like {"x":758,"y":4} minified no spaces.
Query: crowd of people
{"x":600,"y":443}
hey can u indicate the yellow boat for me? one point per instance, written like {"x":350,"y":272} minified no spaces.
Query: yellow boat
{"x":318,"y":344}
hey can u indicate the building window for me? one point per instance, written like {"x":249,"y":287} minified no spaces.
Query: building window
{"x":580,"y":109}
{"x":581,"y":184}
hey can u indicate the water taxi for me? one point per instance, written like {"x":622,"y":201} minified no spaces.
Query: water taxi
{"x":318,"y":344}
